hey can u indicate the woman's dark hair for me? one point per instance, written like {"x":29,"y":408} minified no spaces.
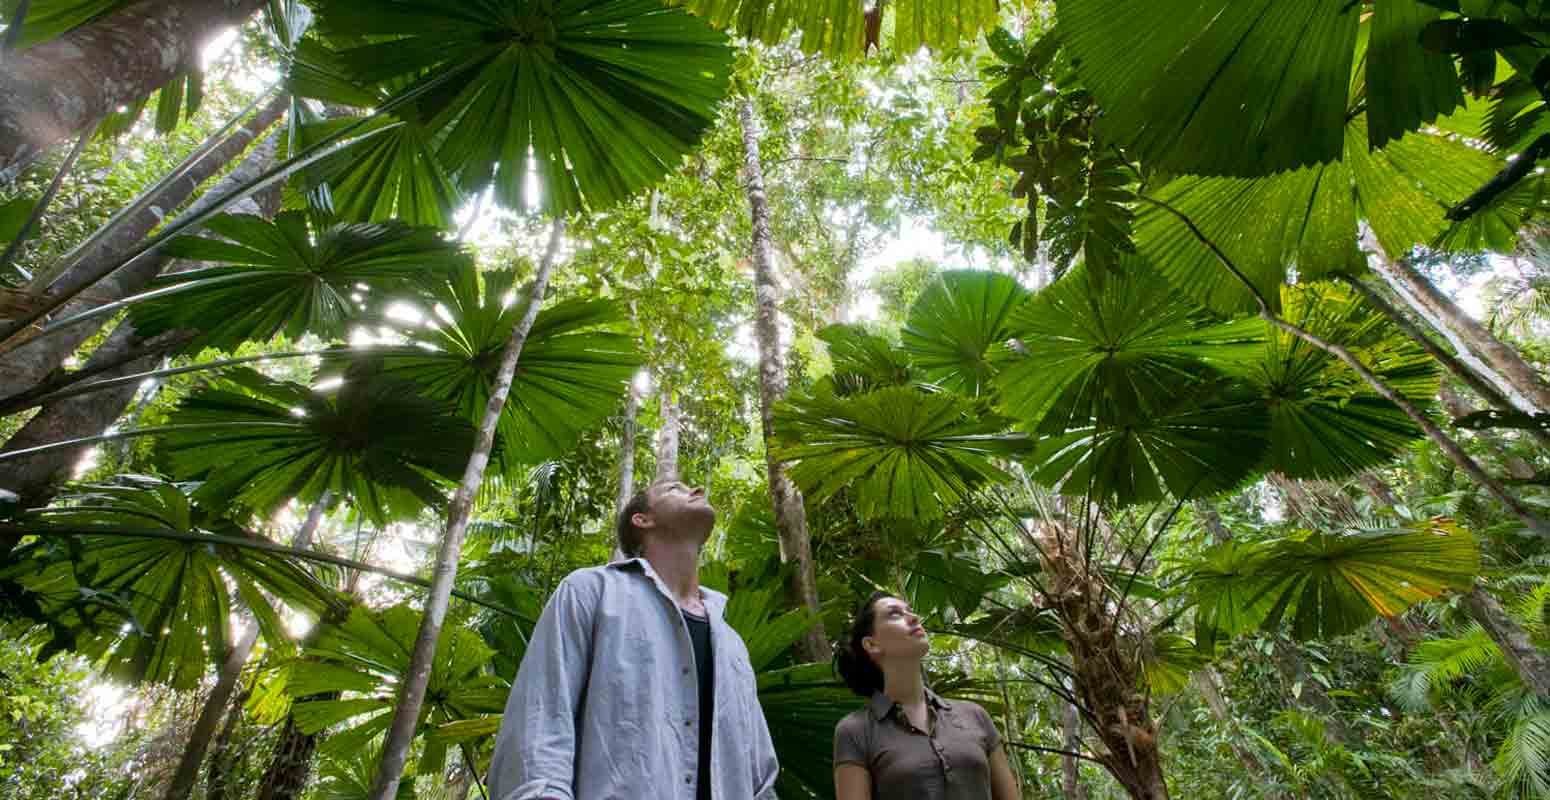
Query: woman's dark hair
{"x":857,"y":669}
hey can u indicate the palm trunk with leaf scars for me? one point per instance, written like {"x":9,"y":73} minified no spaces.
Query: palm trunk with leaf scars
{"x":1106,"y":667}
{"x":796,"y":545}
{"x":182,"y":786}
{"x":406,"y":714}
{"x":52,"y":91}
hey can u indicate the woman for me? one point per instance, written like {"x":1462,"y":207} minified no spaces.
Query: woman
{"x":908,"y":742}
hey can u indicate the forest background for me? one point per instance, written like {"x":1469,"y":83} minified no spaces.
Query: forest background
{"x":1181,"y":362}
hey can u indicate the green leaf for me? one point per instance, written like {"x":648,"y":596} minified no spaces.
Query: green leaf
{"x":1331,"y":585}
{"x":907,"y":453}
{"x":1167,"y":660}
{"x":840,"y":29}
{"x":47,"y":19}
{"x":571,"y":375}
{"x":279,"y":278}
{"x":1325,"y":421}
{"x":150,"y":609}
{"x":863,"y":360}
{"x":1086,"y":348}
{"x":14,"y":214}
{"x":606,"y":95}
{"x":352,"y":441}
{"x":1247,"y":88}
{"x":955,"y":325}
{"x":1306,"y":219}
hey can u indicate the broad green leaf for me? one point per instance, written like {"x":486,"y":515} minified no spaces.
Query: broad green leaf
{"x":948,"y":585}
{"x":1167,"y":660}
{"x":1193,"y":438}
{"x":571,"y":375}
{"x":957,"y":323}
{"x":842,"y":29}
{"x":1248,"y":88}
{"x":906,"y":452}
{"x":13,"y":216}
{"x":281,"y":441}
{"x":150,"y":609}
{"x":1325,"y":421}
{"x":1330,"y":585}
{"x":601,"y":97}
{"x":863,"y":360}
{"x":47,"y":19}
{"x":1085,"y":348}
{"x":1306,"y":219}
{"x":278,"y":277}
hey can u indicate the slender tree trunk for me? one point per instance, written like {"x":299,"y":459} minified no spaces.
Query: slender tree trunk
{"x":32,"y":362}
{"x":790,"y":513}
{"x":667,"y":436}
{"x":1209,"y":684}
{"x":223,"y":764}
{"x":1211,"y":520}
{"x":1307,"y":691}
{"x":1456,"y":407}
{"x":406,"y":713}
{"x":183,"y":780}
{"x":1505,"y":360}
{"x":1531,"y":663}
{"x":626,"y":455}
{"x":54,"y":90}
{"x":1071,"y":741}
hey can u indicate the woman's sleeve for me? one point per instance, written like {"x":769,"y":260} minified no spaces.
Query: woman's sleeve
{"x":850,"y":742}
{"x":992,"y":736}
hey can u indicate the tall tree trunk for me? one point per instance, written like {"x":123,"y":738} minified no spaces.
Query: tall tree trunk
{"x":1457,"y":407}
{"x":1071,"y":741}
{"x":1531,"y":663}
{"x":667,"y":436}
{"x":796,"y":546}
{"x":223,"y":763}
{"x":626,"y":455}
{"x":54,"y":90}
{"x":1211,"y":520}
{"x":1505,"y":360}
{"x":406,"y":713}
{"x":1209,"y":684}
{"x":183,"y":780}
{"x":36,"y":478}
{"x":230,"y":676}
{"x":30,"y":363}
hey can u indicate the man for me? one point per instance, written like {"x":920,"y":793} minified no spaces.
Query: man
{"x":633,"y":686}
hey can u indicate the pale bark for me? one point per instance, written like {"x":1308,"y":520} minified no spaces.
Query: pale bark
{"x":55,"y":90}
{"x":1071,"y":741}
{"x":1502,"y":358}
{"x":1209,"y":684}
{"x":1531,"y":663}
{"x":406,"y":713}
{"x":1211,"y":520}
{"x":790,"y":512}
{"x":627,"y":424}
{"x":667,"y":437}
{"x":32,"y":362}
{"x":1456,"y":407}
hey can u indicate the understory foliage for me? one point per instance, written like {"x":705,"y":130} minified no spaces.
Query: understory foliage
{"x":1180,"y":363}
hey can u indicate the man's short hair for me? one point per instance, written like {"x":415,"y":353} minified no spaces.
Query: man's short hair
{"x":632,"y":537}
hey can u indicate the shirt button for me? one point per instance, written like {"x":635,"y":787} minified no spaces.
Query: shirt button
{"x":688,"y":723}
{"x":688,"y":779}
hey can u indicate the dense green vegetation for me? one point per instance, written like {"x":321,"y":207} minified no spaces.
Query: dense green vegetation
{"x":1181,"y":362}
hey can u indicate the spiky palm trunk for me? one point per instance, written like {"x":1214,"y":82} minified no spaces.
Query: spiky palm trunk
{"x":790,"y":512}
{"x":406,"y":713}
{"x":55,"y":90}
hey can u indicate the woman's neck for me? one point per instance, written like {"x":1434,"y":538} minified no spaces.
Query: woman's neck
{"x":903,"y":684}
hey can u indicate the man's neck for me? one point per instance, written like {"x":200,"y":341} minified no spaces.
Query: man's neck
{"x":677,"y":562}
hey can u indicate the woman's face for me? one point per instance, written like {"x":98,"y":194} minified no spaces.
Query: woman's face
{"x":896,"y":632}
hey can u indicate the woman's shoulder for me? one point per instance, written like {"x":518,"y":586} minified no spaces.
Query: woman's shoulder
{"x":855,"y":722}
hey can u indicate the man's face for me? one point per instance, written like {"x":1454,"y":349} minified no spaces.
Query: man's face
{"x":678,"y":506}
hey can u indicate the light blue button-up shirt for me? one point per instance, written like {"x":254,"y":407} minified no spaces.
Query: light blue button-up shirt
{"x":606,"y":703}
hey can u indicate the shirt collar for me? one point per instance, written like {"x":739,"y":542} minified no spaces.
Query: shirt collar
{"x":715,"y":602}
{"x":882,"y":705}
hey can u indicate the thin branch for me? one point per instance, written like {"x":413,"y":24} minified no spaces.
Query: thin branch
{"x":60,"y":387}
{"x":113,"y":437}
{"x":468,"y":764}
{"x":1054,"y":751}
{"x":1515,"y":171}
{"x":13,"y":31}
{"x":1221,"y":257}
